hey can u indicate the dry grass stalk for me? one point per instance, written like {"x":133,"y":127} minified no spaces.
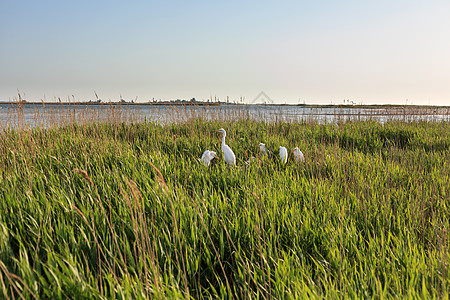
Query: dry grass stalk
{"x":100,"y":245}
{"x":142,"y":234}
{"x":10,"y":277}
{"x":159,"y":177}
{"x":125,"y":196}
{"x":134,"y":189}
{"x":85,"y":175}
{"x":80,"y":213}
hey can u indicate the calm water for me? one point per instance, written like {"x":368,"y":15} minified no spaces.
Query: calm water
{"x":32,"y":115}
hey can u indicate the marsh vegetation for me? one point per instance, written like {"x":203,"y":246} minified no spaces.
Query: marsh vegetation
{"x":120,"y":210}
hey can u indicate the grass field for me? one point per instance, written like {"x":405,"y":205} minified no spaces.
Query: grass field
{"x":122,"y":211}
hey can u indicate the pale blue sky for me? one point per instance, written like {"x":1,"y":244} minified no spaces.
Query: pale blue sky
{"x":371,"y":52}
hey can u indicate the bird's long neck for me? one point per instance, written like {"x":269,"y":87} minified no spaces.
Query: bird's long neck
{"x":223,"y":140}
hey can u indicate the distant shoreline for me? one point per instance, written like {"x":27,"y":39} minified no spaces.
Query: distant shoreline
{"x":174,"y":103}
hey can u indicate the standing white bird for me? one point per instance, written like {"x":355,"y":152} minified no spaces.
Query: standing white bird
{"x":283,"y":155}
{"x":207,"y":157}
{"x":298,"y":155}
{"x":263,"y":150}
{"x":228,"y":154}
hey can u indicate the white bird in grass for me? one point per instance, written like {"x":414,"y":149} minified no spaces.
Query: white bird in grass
{"x":228,"y":154}
{"x":263,"y":150}
{"x":207,"y":157}
{"x":298,"y":155}
{"x":283,"y":155}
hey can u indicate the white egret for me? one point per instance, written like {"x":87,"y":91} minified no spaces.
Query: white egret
{"x":228,"y":154}
{"x":283,"y":155}
{"x":263,"y":150}
{"x":207,"y":157}
{"x":298,"y":155}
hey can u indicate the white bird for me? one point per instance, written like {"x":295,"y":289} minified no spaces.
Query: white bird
{"x":263,"y":150}
{"x":207,"y":157}
{"x":298,"y":155}
{"x":283,"y":155}
{"x":228,"y":154}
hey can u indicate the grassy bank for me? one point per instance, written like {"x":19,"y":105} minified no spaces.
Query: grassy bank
{"x":127,"y":211}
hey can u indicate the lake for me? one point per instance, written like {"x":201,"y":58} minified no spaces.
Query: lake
{"x":47,"y":115}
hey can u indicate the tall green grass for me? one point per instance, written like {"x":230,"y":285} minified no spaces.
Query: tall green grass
{"x":120,"y":211}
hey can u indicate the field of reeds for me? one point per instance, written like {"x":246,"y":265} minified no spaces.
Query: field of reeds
{"x":123,"y":210}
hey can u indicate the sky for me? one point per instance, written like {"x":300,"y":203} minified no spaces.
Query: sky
{"x":313,"y":52}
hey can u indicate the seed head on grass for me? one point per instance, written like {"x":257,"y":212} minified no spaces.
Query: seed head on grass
{"x":134,"y":189}
{"x":85,"y":175}
{"x":80,"y":213}
{"x":159,"y":177}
